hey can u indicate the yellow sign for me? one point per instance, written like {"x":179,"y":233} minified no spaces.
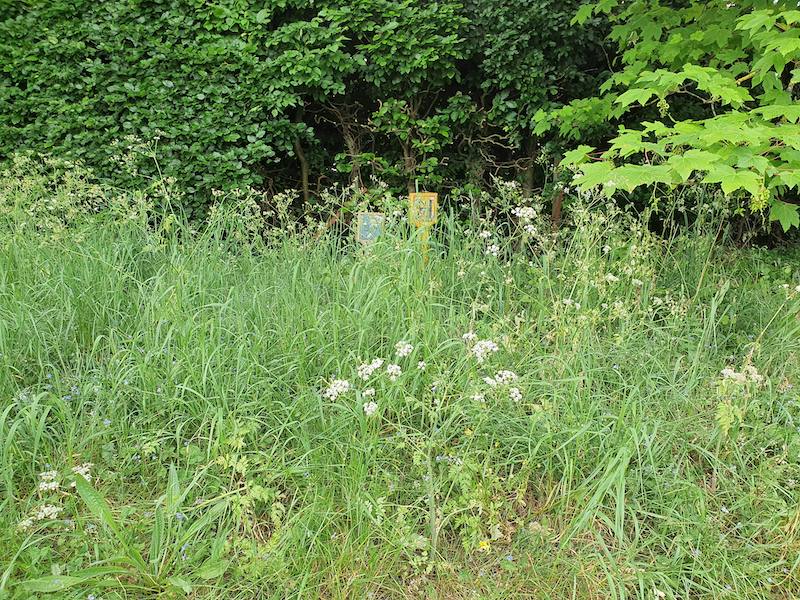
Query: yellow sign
{"x":423,"y":208}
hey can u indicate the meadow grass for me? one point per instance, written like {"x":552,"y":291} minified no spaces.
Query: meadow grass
{"x":170,"y":425}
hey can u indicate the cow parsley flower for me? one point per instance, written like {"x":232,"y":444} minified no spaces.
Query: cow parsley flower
{"x":48,"y":511}
{"x":366,"y":370}
{"x":469,"y":337}
{"x":336,"y":388}
{"x":515,"y":394}
{"x":483,"y":348}
{"x":84,"y":471}
{"x":394,"y":371}
{"x":403,"y":349}
{"x":368,"y":392}
{"x":370,"y":408}
{"x":505,"y":376}
{"x":421,"y":365}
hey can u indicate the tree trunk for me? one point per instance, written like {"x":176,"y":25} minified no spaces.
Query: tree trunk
{"x":354,"y":151}
{"x":301,"y":157}
{"x":528,"y":174}
{"x":555,"y":217}
{"x":409,"y":166}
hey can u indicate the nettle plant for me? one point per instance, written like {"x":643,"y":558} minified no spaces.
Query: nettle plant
{"x":711,"y":85}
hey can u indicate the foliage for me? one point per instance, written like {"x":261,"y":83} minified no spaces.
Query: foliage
{"x":603,"y":412}
{"x":240,"y":93}
{"x":735,"y":63}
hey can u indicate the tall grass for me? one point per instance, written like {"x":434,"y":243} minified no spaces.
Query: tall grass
{"x":191,"y":369}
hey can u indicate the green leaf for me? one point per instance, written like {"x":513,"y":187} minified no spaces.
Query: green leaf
{"x":786,"y":214}
{"x":732,"y":180}
{"x":584,"y":14}
{"x":577,"y":156}
{"x":635,"y":95}
{"x":181,"y":584}
{"x":98,"y":506}
{"x":595,"y":174}
{"x":790,"y":112}
{"x":692,"y":160}
{"x":211,"y":569}
{"x":58,"y":583}
{"x":51,"y":583}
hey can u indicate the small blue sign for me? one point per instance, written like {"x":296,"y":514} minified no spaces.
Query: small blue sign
{"x":370,"y":226}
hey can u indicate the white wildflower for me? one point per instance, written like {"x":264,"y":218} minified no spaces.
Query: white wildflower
{"x":611,"y":278}
{"x":421,"y":365}
{"x":370,"y":408}
{"x":336,"y":388}
{"x":403,"y":349}
{"x":752,"y":374}
{"x":394,"y":371}
{"x":48,"y":475}
{"x":728,"y":373}
{"x":485,"y":235}
{"x":48,"y":486}
{"x":637,"y":282}
{"x":483,"y":348}
{"x":48,"y":511}
{"x":505,"y":376}
{"x":469,"y":337}
{"x":84,"y":471}
{"x":366,"y":370}
{"x":479,"y":398}
{"x":490,"y":381}
{"x":368,"y":392}
{"x":492,"y":250}
{"x":515,"y":394}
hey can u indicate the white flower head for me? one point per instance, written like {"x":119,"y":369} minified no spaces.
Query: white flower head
{"x":84,"y":471}
{"x":611,"y":278}
{"x":368,"y":392}
{"x":394,"y":371}
{"x":370,"y":408}
{"x":505,"y":376}
{"x":48,"y":511}
{"x":366,"y":370}
{"x":483,"y":348}
{"x":469,"y":337}
{"x":421,"y":365}
{"x":403,"y":349}
{"x":515,"y":394}
{"x":336,"y":389}
{"x":48,"y":486}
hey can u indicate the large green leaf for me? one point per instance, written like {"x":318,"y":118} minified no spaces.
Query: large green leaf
{"x":786,"y":214}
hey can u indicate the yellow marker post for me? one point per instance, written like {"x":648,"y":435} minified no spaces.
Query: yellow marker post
{"x":423,"y":208}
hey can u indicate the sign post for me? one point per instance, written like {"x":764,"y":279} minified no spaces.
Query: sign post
{"x":423,"y":208}
{"x":369,"y":227}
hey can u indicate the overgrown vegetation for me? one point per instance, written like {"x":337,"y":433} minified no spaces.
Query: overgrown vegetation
{"x":291,"y":94}
{"x":213,"y":412}
{"x":582,"y":383}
